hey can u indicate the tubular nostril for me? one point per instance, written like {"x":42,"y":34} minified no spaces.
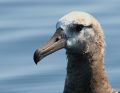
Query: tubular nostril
{"x":58,"y":38}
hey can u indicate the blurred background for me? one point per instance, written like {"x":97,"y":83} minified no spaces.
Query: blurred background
{"x":27,"y":24}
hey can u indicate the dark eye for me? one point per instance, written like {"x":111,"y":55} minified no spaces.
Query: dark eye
{"x":79,"y":27}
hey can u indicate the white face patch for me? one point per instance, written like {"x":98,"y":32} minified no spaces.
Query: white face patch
{"x":86,"y":34}
{"x":81,"y":39}
{"x":89,"y":33}
{"x":71,"y":42}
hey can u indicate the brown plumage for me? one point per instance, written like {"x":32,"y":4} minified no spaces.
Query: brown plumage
{"x":82,"y":37}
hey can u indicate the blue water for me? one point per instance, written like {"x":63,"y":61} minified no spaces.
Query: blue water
{"x":27,"y":24}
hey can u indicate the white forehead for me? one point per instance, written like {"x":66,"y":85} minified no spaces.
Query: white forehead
{"x":75,"y":18}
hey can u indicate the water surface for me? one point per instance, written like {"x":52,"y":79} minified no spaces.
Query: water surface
{"x":27,"y":24}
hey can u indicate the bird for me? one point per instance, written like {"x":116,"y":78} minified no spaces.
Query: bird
{"x":82,"y":36}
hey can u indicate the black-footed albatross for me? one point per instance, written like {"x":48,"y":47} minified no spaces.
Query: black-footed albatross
{"x":82,"y":37}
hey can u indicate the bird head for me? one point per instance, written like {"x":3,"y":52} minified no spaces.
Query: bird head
{"x":77,"y":32}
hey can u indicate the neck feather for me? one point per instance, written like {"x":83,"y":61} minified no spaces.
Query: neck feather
{"x":86,"y":74}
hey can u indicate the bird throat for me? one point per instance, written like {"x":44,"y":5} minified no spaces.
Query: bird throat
{"x":86,"y":74}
